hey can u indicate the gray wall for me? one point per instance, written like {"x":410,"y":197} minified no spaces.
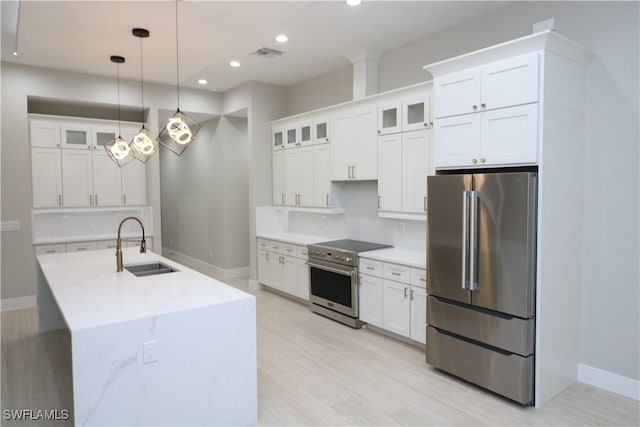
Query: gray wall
{"x":205,"y":209}
{"x":611,"y":291}
{"x":18,"y":276}
{"x":327,"y":89}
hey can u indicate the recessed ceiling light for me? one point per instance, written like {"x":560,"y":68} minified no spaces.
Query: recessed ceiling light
{"x":234,"y":64}
{"x":15,"y":53}
{"x":281,"y":38}
{"x":354,"y":2}
{"x":202,"y":82}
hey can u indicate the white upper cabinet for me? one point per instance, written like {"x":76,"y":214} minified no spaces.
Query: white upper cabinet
{"x":354,"y":155}
{"x":46,"y":164}
{"x":416,"y":112}
{"x":134,"y":184}
{"x":342,"y":126}
{"x":416,"y":166}
{"x":291,"y":136}
{"x":77,"y":178}
{"x":390,"y":117}
{"x":76,"y":136}
{"x":107,"y":180}
{"x":390,"y":172}
{"x":279,"y":178}
{"x":321,"y":130}
{"x":103,"y":135}
{"x":505,"y":83}
{"x":277,"y":141}
{"x":305,"y":133}
{"x":44,"y":133}
{"x":457,"y":141}
{"x":299,"y":176}
{"x":322,"y":175}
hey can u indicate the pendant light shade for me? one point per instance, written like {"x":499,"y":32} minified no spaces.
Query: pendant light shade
{"x":180,"y":129}
{"x":144,"y":144}
{"x":118,"y":149}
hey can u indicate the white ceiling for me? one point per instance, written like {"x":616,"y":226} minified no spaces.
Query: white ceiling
{"x":82,"y":35}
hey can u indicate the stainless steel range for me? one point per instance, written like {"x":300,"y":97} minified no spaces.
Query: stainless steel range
{"x":333,"y":277}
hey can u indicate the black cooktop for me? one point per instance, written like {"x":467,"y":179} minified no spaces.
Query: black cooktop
{"x":355,"y":246}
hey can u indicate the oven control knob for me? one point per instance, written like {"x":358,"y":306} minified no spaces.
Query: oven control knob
{"x":347,"y":259}
{"x":336,"y":257}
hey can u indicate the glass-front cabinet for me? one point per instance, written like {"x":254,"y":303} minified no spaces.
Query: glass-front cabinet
{"x":76,"y":137}
{"x":321,"y":126}
{"x":389,"y":117}
{"x":305,"y":133}
{"x":278,"y":139}
{"x":416,"y":113}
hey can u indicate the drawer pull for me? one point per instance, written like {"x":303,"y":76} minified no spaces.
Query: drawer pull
{"x":423,"y":279}
{"x":370,"y":268}
{"x":395,"y":273}
{"x":411,"y":295}
{"x":51,"y":251}
{"x":82,"y":249}
{"x":405,"y":291}
{"x":289,"y":250}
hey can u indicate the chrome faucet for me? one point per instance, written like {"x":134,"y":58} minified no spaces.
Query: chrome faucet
{"x":143,"y":243}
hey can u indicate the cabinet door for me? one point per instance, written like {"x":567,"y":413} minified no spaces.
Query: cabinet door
{"x":510,"y":82}
{"x":416,"y":166}
{"x":46,"y":177}
{"x":396,"y":307}
{"x":390,"y":117}
{"x":291,"y":136}
{"x":370,"y":300}
{"x":104,"y":135}
{"x":277,"y":141}
{"x":343,"y":133}
{"x":264,"y":267}
{"x":416,"y":113}
{"x":305,"y":134}
{"x":107,"y":181}
{"x":82,"y":246}
{"x":290,"y":275}
{"x":109,"y":244}
{"x":134,"y":184}
{"x":457,"y":93}
{"x":365,"y":154}
{"x":77,"y":178}
{"x":302,"y":278}
{"x":510,"y":135}
{"x":457,"y":141}
{"x":305,"y":176}
{"x":390,"y":172}
{"x":293,"y":170}
{"x":44,"y":133}
{"x":322,"y":175}
{"x":321,"y":130}
{"x":418,"y":299}
{"x":279,"y":177}
{"x":51,"y":249}
{"x":76,"y":137}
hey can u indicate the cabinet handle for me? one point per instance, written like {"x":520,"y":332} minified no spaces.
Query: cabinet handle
{"x":51,"y":251}
{"x":349,"y":171}
{"x":405,"y":291}
{"x":276,"y":247}
{"x":483,"y":105}
{"x":57,"y":145}
{"x":289,"y":250}
{"x":423,"y":279}
{"x":281,"y":260}
{"x":474,"y":161}
{"x":431,"y":124}
{"x":482,"y":160}
{"x":395,"y":273}
{"x":370,"y":268}
{"x":96,"y":197}
{"x":379,"y":131}
{"x":379,"y":201}
{"x":353,"y":171}
{"x":411,"y":295}
{"x":82,"y":249}
{"x":425,"y":203}
{"x":90,"y":200}
{"x":267,"y":256}
{"x":327,"y":199}
{"x":327,"y":139}
{"x":283,"y":198}
{"x":59,"y":200}
{"x":88,"y":148}
{"x":125,"y":198}
{"x":426,"y":124}
{"x":475,"y":107}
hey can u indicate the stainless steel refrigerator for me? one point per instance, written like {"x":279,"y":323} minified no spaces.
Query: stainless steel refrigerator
{"x":481,"y":264}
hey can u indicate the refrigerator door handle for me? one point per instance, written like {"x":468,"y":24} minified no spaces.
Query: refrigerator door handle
{"x":465,"y":235}
{"x":473,"y":240}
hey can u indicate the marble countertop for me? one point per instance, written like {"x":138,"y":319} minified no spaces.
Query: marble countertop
{"x":295,"y":238}
{"x":414,"y":259}
{"x":90,"y":293}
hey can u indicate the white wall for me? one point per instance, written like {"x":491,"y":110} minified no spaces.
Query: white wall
{"x":611,"y":292}
{"x":205,"y":212}
{"x":327,"y":89}
{"x":18,"y":277}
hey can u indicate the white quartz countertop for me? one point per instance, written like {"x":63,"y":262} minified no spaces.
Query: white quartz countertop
{"x":90,"y":293}
{"x":414,"y":259}
{"x":295,"y":238}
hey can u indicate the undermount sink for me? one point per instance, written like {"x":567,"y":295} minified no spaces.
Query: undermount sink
{"x":141,"y":270}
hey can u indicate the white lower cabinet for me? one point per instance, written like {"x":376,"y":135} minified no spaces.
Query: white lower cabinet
{"x":90,"y":245}
{"x":282,"y":266}
{"x":82,"y":246}
{"x":393,"y":297}
{"x":50,"y":249}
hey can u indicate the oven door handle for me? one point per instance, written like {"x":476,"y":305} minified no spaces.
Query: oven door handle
{"x":333,"y":270}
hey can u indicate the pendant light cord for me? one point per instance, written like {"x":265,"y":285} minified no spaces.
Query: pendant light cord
{"x":177,"y":63}
{"x":141,"y":86}
{"x":118,"y":79}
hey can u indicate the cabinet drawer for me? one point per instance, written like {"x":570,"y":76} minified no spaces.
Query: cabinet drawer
{"x":370,"y":267}
{"x":107,"y":244}
{"x":82,"y":246}
{"x":302,"y":252}
{"x":263,"y":244}
{"x":419,"y":277}
{"x":287,"y":249}
{"x":399,"y":273}
{"x":50,"y":249}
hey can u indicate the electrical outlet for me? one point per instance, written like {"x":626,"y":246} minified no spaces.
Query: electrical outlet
{"x":402,"y":226}
{"x":210,"y":254}
{"x":150,"y":352}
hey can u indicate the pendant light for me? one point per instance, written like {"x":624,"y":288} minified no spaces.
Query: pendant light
{"x":143,"y":145}
{"x":118,"y":149}
{"x":180,"y":129}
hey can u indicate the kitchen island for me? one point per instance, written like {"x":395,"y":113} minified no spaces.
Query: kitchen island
{"x":169,"y":349}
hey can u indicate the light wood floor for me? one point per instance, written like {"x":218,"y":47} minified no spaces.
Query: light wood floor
{"x":313,"y":371}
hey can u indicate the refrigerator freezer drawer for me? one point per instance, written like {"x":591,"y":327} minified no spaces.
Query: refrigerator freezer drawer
{"x":512,"y":334}
{"x":507,"y":374}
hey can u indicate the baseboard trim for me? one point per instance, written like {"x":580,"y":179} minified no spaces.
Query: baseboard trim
{"x":254,"y":285}
{"x":18,"y":303}
{"x":203,"y":267}
{"x":609,"y":381}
